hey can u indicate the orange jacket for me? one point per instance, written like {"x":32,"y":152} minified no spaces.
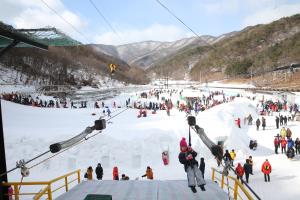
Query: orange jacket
{"x":89,"y":174}
{"x":149,"y":174}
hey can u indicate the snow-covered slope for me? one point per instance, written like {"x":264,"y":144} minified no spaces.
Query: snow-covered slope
{"x":133,"y":143}
{"x":145,"y":54}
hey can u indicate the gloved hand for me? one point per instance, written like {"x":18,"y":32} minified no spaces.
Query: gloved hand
{"x":189,"y":157}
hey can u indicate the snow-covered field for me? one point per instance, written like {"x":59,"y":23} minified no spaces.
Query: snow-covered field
{"x":133,"y":143}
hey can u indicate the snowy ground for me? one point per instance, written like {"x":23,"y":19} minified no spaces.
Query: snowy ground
{"x":133,"y":143}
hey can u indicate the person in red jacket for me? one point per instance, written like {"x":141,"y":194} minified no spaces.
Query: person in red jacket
{"x":115,"y":173}
{"x":238,"y":122}
{"x":276,"y":144}
{"x":266,"y":169}
{"x":239,"y":170}
{"x":283,"y":145}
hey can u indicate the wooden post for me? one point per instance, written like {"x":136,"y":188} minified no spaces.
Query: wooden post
{"x":66,"y":184}
{"x":222,"y":182}
{"x":16,"y":191}
{"x":78,"y":176}
{"x":49,"y":192}
{"x":235,"y":190}
{"x":213,"y":175}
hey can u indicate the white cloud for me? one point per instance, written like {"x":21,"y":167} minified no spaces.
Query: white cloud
{"x":269,"y":14}
{"x":221,"y":7}
{"x":35,"y":14}
{"x":156,"y":32}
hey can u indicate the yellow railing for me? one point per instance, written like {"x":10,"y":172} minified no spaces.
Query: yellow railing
{"x":47,"y":190}
{"x":235,"y":187}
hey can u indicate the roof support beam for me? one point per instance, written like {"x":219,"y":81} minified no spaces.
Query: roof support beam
{"x":22,"y":38}
{"x":14,"y":43}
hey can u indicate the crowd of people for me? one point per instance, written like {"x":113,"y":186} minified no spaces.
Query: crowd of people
{"x":115,"y":173}
{"x":187,"y":156}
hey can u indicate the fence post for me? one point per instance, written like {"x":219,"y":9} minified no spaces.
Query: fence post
{"x":78,"y":176}
{"x":235,"y":190}
{"x":222,"y":182}
{"x":17,"y":192}
{"x":66,"y":184}
{"x":49,"y":192}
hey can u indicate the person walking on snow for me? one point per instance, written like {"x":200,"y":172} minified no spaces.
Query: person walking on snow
{"x":187,"y":157}
{"x":108,"y":112}
{"x":202,"y":166}
{"x":276,"y":144}
{"x":281,"y":120}
{"x":263,"y":122}
{"x":266,"y":170}
{"x":257,"y":124}
{"x":247,"y":169}
{"x":99,"y":171}
{"x":227,"y":157}
{"x":277,"y":122}
{"x":288,"y":133}
{"x":239,"y":170}
{"x":238,"y":122}
{"x":250,"y":119}
{"x":283,"y":143}
{"x":232,"y":155}
{"x":251,"y":164}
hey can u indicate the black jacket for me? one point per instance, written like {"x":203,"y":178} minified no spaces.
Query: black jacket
{"x":227,"y":157}
{"x":182,"y":159}
{"x":99,"y":171}
{"x":247,"y":168}
{"x":202,"y":167}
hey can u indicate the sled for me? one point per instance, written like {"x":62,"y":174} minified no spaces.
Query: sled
{"x":165,"y":156}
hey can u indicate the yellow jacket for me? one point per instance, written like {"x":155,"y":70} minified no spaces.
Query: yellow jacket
{"x":232,"y":155}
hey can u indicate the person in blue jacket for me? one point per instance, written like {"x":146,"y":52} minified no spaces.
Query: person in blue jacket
{"x":290,"y":152}
{"x":290,"y":143}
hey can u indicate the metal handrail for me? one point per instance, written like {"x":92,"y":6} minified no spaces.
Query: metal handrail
{"x":47,"y":190}
{"x":237,"y":185}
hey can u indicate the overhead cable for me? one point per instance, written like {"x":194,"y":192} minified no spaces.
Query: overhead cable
{"x":166,"y":8}
{"x":104,"y":18}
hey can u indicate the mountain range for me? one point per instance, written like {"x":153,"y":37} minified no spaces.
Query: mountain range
{"x":252,"y":50}
{"x":147,"y":54}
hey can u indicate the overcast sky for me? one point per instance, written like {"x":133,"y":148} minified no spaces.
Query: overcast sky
{"x":140,"y":20}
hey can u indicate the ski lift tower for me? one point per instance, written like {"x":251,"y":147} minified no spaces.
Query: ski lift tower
{"x":11,"y":37}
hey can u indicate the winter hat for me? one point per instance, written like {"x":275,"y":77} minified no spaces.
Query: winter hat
{"x":183,"y":143}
